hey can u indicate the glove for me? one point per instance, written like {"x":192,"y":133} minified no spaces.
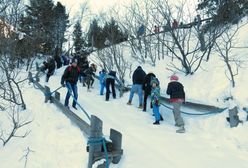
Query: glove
{"x":156,"y":102}
{"x":62,"y":84}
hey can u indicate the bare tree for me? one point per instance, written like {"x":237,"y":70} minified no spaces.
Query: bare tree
{"x":224,"y":48}
{"x":137,"y":15}
{"x":113,"y":58}
{"x":17,"y":123}
{"x":10,"y":85}
{"x":183,"y":40}
{"x":25,"y":156}
{"x":10,"y":89}
{"x":3,"y":6}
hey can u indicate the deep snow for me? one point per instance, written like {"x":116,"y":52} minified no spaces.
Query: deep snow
{"x":57,"y":143}
{"x":209,"y":142}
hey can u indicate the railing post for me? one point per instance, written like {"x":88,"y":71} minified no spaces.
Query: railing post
{"x":57,"y":96}
{"x":47,"y":94}
{"x":233,"y":117}
{"x":116,"y":138}
{"x":37,"y":78}
{"x":30,"y":77}
{"x":95,"y":133}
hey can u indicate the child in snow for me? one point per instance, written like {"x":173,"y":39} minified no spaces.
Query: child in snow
{"x":155,"y":99}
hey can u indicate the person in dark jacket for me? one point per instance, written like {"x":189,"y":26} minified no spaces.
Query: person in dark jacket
{"x":57,"y":57}
{"x":65,"y":60}
{"x":89,"y":76}
{"x":49,"y":65}
{"x":146,"y":87}
{"x":70,"y":79}
{"x":177,"y":96}
{"x":110,"y":81}
{"x":85,"y":65}
{"x":138,"y":79}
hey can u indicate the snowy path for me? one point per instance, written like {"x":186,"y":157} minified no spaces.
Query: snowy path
{"x":208,"y":139}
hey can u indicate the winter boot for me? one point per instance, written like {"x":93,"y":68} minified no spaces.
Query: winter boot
{"x":177,"y":125}
{"x":74,"y":107}
{"x":161,"y":118}
{"x":156,"y":123}
{"x":140,"y":106}
{"x":181,"y":129}
{"x":129,"y":103}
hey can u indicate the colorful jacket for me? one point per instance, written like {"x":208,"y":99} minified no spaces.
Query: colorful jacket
{"x":155,"y":96}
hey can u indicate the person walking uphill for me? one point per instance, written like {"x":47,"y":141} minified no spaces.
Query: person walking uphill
{"x":102,"y":75}
{"x":138,"y":78}
{"x":49,"y":65}
{"x":146,"y":87}
{"x":110,"y":80}
{"x":69,"y":79}
{"x":89,"y":76}
{"x":177,"y":96}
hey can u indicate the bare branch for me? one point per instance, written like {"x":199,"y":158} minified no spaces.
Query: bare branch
{"x":25,"y":156}
{"x":16,"y":125}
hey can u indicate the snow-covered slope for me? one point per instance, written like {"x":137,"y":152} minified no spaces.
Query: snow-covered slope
{"x":57,"y":143}
{"x":208,"y":142}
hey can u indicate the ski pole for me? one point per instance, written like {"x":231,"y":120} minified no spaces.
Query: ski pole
{"x":56,"y":90}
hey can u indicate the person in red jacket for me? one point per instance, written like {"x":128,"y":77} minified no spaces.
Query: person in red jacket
{"x":175,"y":24}
{"x":70,"y":79}
{"x":177,"y":96}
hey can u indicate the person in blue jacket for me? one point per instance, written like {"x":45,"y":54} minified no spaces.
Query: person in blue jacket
{"x":155,"y":99}
{"x":102,"y":75}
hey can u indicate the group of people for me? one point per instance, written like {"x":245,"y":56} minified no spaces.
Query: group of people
{"x":146,"y":85}
{"x":107,"y":80}
{"x":74,"y":72}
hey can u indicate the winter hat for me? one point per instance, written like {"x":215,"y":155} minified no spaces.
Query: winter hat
{"x":74,"y":60}
{"x":174,"y":78}
{"x":154,"y":80}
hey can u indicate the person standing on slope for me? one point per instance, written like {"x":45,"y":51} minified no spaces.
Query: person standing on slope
{"x":138,"y":78}
{"x":70,"y":79}
{"x":102,"y":80}
{"x":110,"y":81}
{"x":146,"y":87}
{"x":177,"y":96}
{"x":155,"y":100}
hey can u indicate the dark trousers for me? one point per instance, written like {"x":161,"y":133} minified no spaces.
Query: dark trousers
{"x":108,"y":83}
{"x":49,"y":73}
{"x":89,"y":81}
{"x":146,"y":94}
